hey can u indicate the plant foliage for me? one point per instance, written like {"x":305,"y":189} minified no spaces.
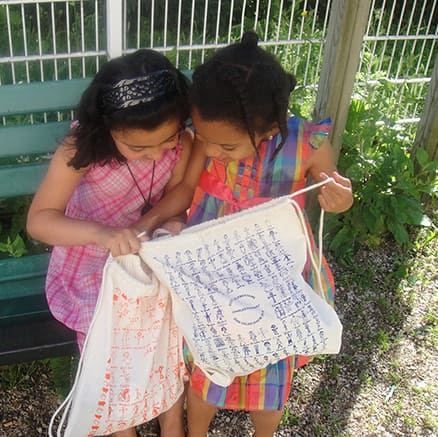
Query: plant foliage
{"x":391,"y":183}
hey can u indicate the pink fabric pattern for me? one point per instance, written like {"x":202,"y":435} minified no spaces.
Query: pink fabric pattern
{"x":106,"y":194}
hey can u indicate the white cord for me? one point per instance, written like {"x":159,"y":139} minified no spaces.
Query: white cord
{"x":317,"y":268}
{"x":312,"y":187}
{"x":66,"y":404}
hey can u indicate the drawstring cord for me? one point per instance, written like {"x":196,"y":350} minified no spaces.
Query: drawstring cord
{"x":316,"y":267}
{"x":66,"y":404}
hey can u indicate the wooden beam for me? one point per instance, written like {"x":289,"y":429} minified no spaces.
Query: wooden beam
{"x":427,"y":130}
{"x":347,"y":26}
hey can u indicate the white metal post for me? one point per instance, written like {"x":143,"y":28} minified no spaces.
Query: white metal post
{"x":114,"y":28}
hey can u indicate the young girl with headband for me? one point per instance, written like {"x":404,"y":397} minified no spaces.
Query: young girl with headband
{"x":247,"y":150}
{"x":128,"y":148}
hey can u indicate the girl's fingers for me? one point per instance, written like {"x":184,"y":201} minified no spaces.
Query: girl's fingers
{"x":133,"y":245}
{"x":345,"y":182}
{"x":336,"y":196}
{"x":127,"y":243}
{"x":341,"y":180}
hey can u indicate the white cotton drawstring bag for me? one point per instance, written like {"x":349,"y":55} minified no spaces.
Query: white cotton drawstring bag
{"x":238,"y":293}
{"x":131,"y":369}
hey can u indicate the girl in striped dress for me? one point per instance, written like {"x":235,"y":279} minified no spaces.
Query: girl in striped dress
{"x":246,"y":150}
{"x":128,"y":148}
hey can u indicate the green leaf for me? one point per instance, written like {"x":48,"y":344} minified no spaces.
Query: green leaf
{"x":409,"y":210}
{"x":14,"y":248}
{"x":342,"y":238}
{"x":18,"y":247}
{"x":415,"y":216}
{"x":422,"y":156}
{"x":375,"y":221}
{"x":431,"y":166}
{"x":398,"y":231}
{"x":354,"y":172}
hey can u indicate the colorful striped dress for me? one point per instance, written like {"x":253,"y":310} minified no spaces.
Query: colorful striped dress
{"x":106,"y":194}
{"x":258,"y":177}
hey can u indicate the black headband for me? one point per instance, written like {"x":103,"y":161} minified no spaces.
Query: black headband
{"x":138,"y":90}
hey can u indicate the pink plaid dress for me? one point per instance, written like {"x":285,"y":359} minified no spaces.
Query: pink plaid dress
{"x":106,"y":194}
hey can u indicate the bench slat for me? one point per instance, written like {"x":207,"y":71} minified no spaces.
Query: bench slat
{"x":22,"y":284}
{"x":22,"y":287}
{"x":32,"y":139}
{"x":21,"y":180}
{"x":35,"y":341}
{"x":41,"y":96}
{"x":24,"y":267}
{"x":29,"y":308}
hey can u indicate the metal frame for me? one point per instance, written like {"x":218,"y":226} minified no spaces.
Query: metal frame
{"x":108,"y":28}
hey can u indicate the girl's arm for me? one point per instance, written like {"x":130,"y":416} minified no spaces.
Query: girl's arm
{"x":47,"y":222}
{"x":334,"y":196}
{"x":180,"y":188}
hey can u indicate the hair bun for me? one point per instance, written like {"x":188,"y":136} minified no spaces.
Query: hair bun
{"x":249,"y":39}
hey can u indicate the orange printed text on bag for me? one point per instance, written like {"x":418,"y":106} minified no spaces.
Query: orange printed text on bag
{"x":131,"y":369}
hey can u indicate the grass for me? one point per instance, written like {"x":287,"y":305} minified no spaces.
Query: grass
{"x":18,"y":375}
{"x":24,"y":375}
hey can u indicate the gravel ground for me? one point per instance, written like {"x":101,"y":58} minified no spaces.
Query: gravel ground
{"x":383,"y":383}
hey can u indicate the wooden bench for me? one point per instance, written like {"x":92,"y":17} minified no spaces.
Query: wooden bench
{"x":27,"y":329}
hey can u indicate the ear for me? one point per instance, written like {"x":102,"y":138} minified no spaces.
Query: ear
{"x":272,"y":131}
{"x":267,"y":134}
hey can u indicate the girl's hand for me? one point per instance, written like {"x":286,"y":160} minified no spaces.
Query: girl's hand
{"x":174,"y":226}
{"x":120,"y":241}
{"x":336,"y":196}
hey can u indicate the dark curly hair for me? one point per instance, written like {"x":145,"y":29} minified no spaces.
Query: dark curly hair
{"x":245,"y":86}
{"x":92,"y":138}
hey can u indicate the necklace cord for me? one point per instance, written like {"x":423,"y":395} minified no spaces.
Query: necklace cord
{"x":138,"y":186}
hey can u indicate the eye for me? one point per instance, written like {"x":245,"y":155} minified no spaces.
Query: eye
{"x":171,"y":139}
{"x":136,"y":149}
{"x":229,"y":148}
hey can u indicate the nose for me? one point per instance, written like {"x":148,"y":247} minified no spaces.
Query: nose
{"x":215,"y":151}
{"x":156,"y":154}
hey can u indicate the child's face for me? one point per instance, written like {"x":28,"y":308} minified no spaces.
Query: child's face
{"x":222,"y":140}
{"x":147,"y":144}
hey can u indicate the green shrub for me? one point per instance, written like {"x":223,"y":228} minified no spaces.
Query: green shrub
{"x":391,"y":184}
